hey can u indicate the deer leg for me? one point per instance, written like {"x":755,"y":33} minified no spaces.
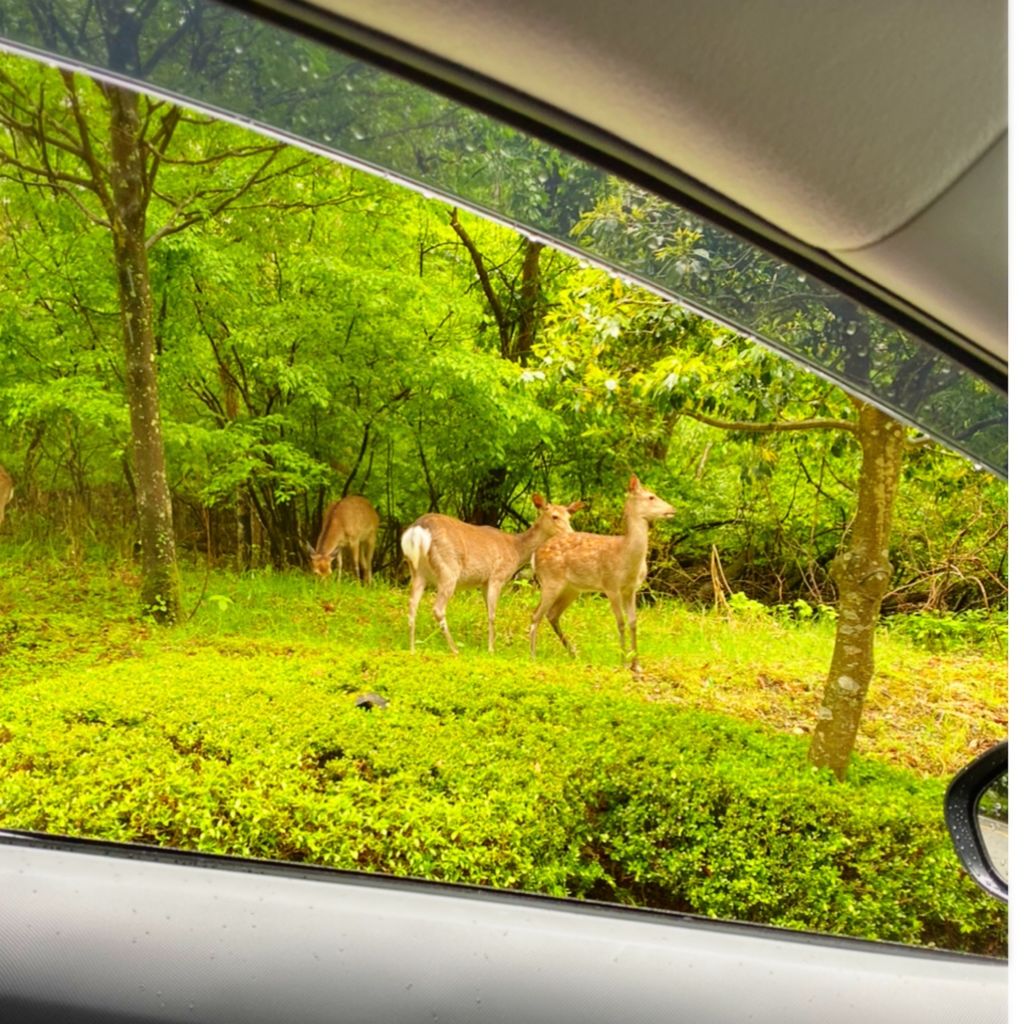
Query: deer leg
{"x":538,"y":614}
{"x":634,"y":666}
{"x":562,"y":602}
{"x":419,"y":584}
{"x":552,"y":605}
{"x":368,"y":555}
{"x":445,"y":589}
{"x":492,"y":591}
{"x":615,"y":600}
{"x":547,"y":598}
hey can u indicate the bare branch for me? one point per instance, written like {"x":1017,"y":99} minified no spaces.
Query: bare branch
{"x":157,"y":147}
{"x":227,"y":154}
{"x":775,"y":426}
{"x":256,"y":179}
{"x":992,"y":421}
{"x":53,"y":187}
{"x":85,"y":138}
{"x":485,"y":278}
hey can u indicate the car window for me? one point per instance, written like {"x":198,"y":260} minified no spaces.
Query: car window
{"x":266,"y":302}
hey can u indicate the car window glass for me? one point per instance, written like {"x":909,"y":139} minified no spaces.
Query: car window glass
{"x":269,"y":313}
{"x":307,"y":93}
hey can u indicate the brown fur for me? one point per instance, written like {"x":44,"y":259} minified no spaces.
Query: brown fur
{"x":451,"y":555}
{"x":615,"y":566}
{"x":350,"y":523}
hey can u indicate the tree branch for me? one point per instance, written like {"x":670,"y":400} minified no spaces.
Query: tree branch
{"x":87,"y":155}
{"x":485,"y":278}
{"x":254,"y":180}
{"x":774,"y":427}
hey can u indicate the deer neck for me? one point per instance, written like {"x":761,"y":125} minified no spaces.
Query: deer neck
{"x":635,"y":537}
{"x":527,"y":542}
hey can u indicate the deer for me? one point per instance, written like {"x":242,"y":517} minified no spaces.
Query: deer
{"x":351,"y":523}
{"x":452,"y":555}
{"x":6,"y":490}
{"x":615,"y":566}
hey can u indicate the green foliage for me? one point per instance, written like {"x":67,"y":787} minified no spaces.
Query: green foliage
{"x":969,"y":630}
{"x":330,"y":331}
{"x":239,"y":733}
{"x":741,"y":827}
{"x":798,"y":612}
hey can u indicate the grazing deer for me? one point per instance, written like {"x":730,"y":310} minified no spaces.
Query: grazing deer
{"x":452,"y":555}
{"x":6,"y":490}
{"x":614,"y":566}
{"x":351,"y":523}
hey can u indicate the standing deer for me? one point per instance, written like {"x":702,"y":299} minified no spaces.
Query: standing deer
{"x":452,"y":555}
{"x":350,"y":523}
{"x":6,"y":490}
{"x":614,"y":566}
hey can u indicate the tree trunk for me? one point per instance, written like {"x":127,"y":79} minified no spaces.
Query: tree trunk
{"x":488,"y":507}
{"x":862,"y":573}
{"x":243,"y":531}
{"x":529,"y":303}
{"x":160,"y":584}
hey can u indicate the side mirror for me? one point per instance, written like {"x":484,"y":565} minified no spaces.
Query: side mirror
{"x":978,"y":819}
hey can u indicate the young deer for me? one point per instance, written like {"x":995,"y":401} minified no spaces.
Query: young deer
{"x":351,"y":523}
{"x":6,"y":490}
{"x":452,"y":555}
{"x":615,"y":566}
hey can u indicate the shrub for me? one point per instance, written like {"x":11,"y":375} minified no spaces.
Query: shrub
{"x":953,"y":631}
{"x":479,"y":771}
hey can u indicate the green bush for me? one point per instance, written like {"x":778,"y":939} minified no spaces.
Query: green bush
{"x":949,"y":631}
{"x":478,"y":771}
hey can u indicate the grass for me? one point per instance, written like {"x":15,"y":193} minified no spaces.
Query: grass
{"x":238,"y":732}
{"x":925,"y":712}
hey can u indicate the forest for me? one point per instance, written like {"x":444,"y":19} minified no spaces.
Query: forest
{"x":319,"y":332}
{"x":207,"y":337}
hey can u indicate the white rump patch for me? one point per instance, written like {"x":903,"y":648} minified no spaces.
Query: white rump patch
{"x":416,"y":544}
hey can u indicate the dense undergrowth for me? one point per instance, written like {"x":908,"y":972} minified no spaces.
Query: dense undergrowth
{"x":687,"y":789}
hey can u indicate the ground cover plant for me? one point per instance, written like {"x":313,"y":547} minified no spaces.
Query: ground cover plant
{"x":687,"y":788}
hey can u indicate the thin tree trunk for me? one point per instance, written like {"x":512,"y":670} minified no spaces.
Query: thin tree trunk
{"x":488,"y":501}
{"x":862,"y":572}
{"x":529,"y":302}
{"x":160,"y":584}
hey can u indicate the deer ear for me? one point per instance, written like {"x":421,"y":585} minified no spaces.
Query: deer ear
{"x":576,"y":506}
{"x":310,"y":548}
{"x":538,"y":500}
{"x":634,"y":483}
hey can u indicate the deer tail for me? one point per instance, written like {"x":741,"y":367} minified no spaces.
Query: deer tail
{"x":415,"y":545}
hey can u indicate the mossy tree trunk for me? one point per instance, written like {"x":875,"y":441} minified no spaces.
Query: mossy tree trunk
{"x":160,"y":591}
{"x":862,"y":572}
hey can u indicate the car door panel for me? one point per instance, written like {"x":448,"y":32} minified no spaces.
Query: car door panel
{"x":97,"y":931}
